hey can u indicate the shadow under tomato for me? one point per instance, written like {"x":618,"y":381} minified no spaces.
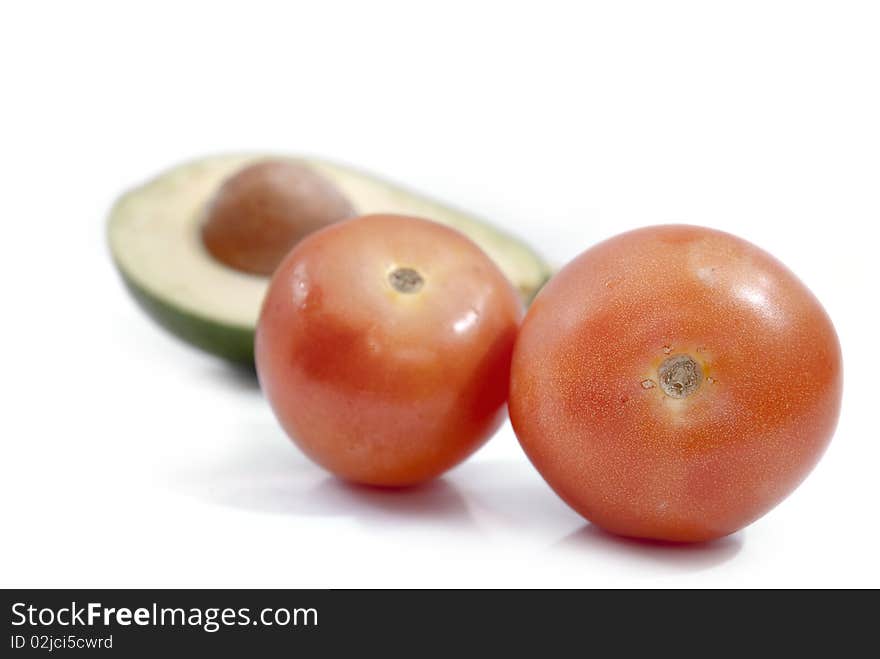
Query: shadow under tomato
{"x":510,"y":494}
{"x":432,"y":502}
{"x":273,"y":477}
{"x":677,"y":556}
{"x":236,"y":377}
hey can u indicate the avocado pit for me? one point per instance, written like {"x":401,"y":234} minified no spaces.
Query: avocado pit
{"x":262,"y":211}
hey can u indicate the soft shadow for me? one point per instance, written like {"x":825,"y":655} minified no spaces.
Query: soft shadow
{"x":237,"y":377}
{"x":686,"y":557}
{"x":432,"y":502}
{"x":274,"y":478}
{"x":512,"y":494}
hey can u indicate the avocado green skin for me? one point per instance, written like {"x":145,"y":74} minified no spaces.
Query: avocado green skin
{"x":230,"y":342}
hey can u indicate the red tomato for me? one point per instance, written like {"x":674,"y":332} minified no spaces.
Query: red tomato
{"x":384,"y":347}
{"x":675,"y":383}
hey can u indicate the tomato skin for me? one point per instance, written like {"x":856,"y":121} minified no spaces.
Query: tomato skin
{"x":587,"y":407}
{"x":379,"y":386}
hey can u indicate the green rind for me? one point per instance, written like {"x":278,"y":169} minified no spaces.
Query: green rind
{"x":230,"y":342}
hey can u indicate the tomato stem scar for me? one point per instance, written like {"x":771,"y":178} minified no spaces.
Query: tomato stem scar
{"x":406,"y":280}
{"x":679,"y":376}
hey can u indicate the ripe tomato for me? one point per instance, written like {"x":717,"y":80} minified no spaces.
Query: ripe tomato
{"x":384,"y":347}
{"x":675,"y":383}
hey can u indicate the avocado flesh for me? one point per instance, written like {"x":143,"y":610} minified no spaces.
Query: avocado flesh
{"x":154,"y":235}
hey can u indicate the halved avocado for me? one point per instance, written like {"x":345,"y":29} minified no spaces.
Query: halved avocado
{"x":155,"y":240}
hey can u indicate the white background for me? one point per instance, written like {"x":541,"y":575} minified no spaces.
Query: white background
{"x":129,"y":459}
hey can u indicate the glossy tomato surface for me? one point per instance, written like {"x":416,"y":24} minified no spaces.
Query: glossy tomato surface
{"x":384,"y":347}
{"x":675,"y":383}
